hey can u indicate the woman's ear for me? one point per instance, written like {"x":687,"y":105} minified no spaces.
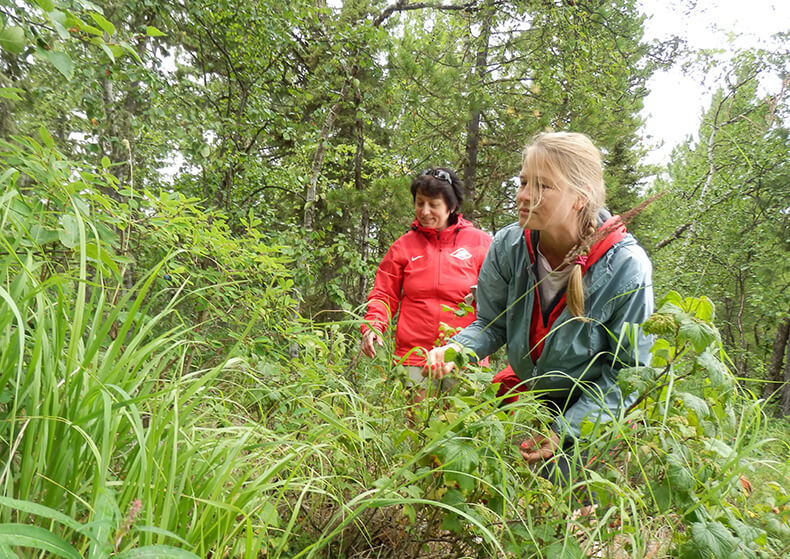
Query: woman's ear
{"x":581,"y":201}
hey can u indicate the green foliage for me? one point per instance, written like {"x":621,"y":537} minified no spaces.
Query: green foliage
{"x":722,"y":229}
{"x":698,"y":437}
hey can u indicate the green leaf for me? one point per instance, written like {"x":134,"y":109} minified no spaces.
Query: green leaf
{"x":62,"y":31}
{"x":695,"y":404}
{"x":12,"y":39}
{"x":718,"y":375}
{"x":156,"y":552}
{"x":105,"y":162}
{"x":23,"y":535}
{"x":567,"y":548}
{"x":128,"y":48}
{"x":673,"y":297}
{"x":152,"y":31}
{"x":46,"y":5}
{"x":70,"y":234}
{"x":102,"y":22}
{"x":637,"y":379}
{"x":703,"y":308}
{"x":59,"y":60}
{"x":713,"y":537}
{"x":698,"y":334}
{"x":41,"y":511}
{"x":661,"y":353}
{"x":46,"y":137}
{"x":10,"y":93}
{"x":679,"y":475}
{"x":108,"y":51}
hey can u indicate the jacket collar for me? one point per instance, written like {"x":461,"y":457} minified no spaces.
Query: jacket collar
{"x":444,"y":233}
{"x":614,"y":233}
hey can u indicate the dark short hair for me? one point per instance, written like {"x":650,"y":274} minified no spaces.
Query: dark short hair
{"x":440,"y":181}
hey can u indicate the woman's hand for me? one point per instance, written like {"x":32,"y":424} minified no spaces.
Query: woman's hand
{"x":540,"y":447}
{"x":369,"y":341}
{"x":435,"y":367}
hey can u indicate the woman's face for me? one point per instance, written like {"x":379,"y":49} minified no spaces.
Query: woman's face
{"x":432,"y":213}
{"x":549,"y":204}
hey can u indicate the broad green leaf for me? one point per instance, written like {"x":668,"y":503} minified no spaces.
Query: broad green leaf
{"x":128,"y":48}
{"x":718,"y":375}
{"x":713,"y":537}
{"x":568,"y":548}
{"x":59,"y":17}
{"x":156,"y":552}
{"x":59,"y":60}
{"x":12,"y":39}
{"x":719,"y":447}
{"x":679,"y":475}
{"x":637,"y":379}
{"x":7,"y":553}
{"x":105,"y":162}
{"x":452,"y":523}
{"x":42,"y":235}
{"x":62,"y":31}
{"x":70,"y":234}
{"x":102,"y":22}
{"x":152,"y":31}
{"x":23,"y":535}
{"x":46,"y":5}
{"x":695,"y":404}
{"x":698,"y":334}
{"x":672,"y":297}
{"x":88,"y":5}
{"x":703,"y":308}
{"x":661,"y":353}
{"x":108,"y":51}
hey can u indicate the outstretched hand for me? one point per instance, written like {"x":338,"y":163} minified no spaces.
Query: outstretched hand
{"x":369,"y":341}
{"x":435,"y":366}
{"x":539,"y":447}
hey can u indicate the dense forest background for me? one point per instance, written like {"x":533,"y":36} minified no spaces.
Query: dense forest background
{"x":194,"y":199}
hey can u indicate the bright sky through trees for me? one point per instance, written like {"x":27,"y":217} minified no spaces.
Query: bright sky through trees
{"x":677,"y":98}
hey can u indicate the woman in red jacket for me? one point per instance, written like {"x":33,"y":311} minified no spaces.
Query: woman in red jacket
{"x":433,"y":265}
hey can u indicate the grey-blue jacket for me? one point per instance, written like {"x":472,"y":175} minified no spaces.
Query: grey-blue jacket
{"x":581,"y":357}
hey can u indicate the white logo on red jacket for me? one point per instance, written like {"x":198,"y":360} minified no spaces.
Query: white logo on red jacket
{"x":462,"y":254}
{"x":413,"y":258}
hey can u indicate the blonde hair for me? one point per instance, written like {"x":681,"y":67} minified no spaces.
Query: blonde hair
{"x":575,"y":161}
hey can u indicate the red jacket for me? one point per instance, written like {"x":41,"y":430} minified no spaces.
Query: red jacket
{"x":423,"y":270}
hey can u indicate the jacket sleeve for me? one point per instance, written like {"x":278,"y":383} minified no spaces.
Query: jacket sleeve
{"x":628,"y":346}
{"x":384,"y":298}
{"x":487,"y":333}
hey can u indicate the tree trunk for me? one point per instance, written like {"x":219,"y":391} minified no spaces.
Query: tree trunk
{"x":473,"y":124}
{"x":778,"y":360}
{"x":318,"y":161}
{"x":364,"y":226}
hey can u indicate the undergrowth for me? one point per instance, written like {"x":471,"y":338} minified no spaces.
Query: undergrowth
{"x":167,"y":417}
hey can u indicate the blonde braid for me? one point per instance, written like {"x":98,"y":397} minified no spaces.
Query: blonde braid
{"x":575,"y":290}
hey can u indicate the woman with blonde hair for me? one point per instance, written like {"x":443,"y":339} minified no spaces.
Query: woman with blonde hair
{"x":566,"y":288}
